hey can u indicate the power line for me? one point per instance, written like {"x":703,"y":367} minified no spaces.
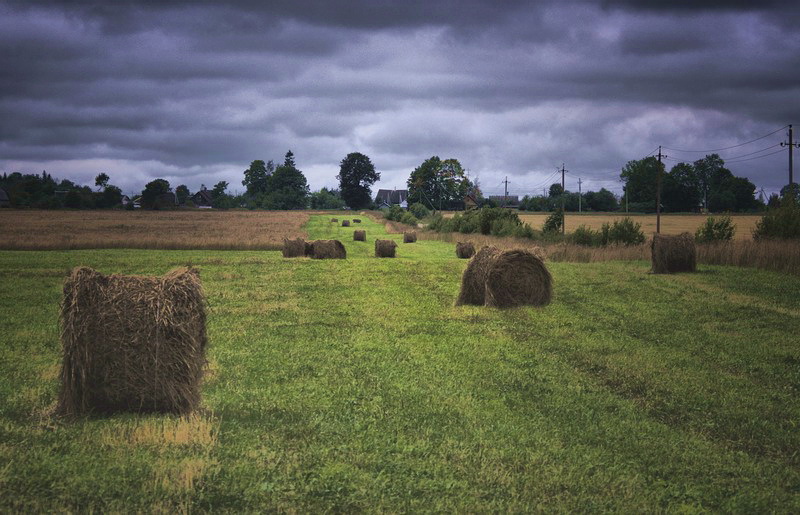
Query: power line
{"x":728,"y":148}
{"x":756,"y":157}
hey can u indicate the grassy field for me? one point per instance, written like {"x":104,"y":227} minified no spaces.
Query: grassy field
{"x":193,"y":229}
{"x":350,"y":385}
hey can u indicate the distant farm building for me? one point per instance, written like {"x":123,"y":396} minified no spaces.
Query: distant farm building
{"x":202,"y":199}
{"x":389,"y":198}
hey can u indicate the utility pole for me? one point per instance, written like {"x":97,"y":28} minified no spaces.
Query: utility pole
{"x":579,"y":194}
{"x":791,"y":145}
{"x":658,"y":193}
{"x":563,"y":201}
{"x":505,"y":196}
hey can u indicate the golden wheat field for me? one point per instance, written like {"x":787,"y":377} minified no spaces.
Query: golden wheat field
{"x":191,"y":229}
{"x":670,"y":224}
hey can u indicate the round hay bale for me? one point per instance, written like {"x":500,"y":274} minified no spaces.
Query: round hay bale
{"x":359,"y":235}
{"x":131,"y":343}
{"x":473,"y":280}
{"x":409,"y":237}
{"x":518,"y":278}
{"x":328,"y":249}
{"x":465,"y":250}
{"x":345,"y":223}
{"x":334,"y":220}
{"x":294,"y":248}
{"x":309,"y":249}
{"x":672,"y":254}
{"x":356,"y":220}
{"x":505,"y":279}
{"x":385,"y":248}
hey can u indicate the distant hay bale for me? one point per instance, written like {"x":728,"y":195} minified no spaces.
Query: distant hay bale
{"x":359,"y":235}
{"x":356,"y":220}
{"x":309,"y":249}
{"x":385,"y":248}
{"x":334,"y":220}
{"x":672,"y":254}
{"x":505,"y":279}
{"x":465,"y":250}
{"x":328,"y":249}
{"x":409,"y":237}
{"x":131,"y":343}
{"x":294,"y":248}
{"x":345,"y":223}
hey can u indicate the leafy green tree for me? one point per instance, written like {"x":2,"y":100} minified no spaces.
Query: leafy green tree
{"x":708,"y":171}
{"x":110,"y":197}
{"x":326,"y":199}
{"x":681,"y":189}
{"x":182,"y":192}
{"x":356,"y":176}
{"x":219,"y":198}
{"x":101,"y":181}
{"x":152,"y":190}
{"x":641,"y":177}
{"x":556,"y":190}
{"x":602,"y":200}
{"x":287,"y":187}
{"x":438,"y":184}
{"x":256,"y":178}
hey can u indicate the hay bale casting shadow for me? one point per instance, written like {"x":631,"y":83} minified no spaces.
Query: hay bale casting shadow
{"x":328,"y":249}
{"x":465,"y":250}
{"x":359,"y":235}
{"x":132,"y":343}
{"x":356,"y":220}
{"x":505,"y":279}
{"x":672,"y":254}
{"x":345,"y":223}
{"x":385,"y":248}
{"x":294,"y":248}
{"x":409,"y":237}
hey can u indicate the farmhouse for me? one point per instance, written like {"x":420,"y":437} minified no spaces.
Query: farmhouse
{"x":470,"y":200}
{"x":202,"y":199}
{"x":4,"y":200}
{"x":389,"y":198}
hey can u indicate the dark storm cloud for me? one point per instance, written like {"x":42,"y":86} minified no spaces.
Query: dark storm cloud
{"x":193,"y":91}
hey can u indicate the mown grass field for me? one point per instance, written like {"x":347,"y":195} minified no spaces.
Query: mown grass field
{"x":356,"y":385}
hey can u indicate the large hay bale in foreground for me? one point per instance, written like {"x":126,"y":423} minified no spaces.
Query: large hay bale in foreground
{"x":465,"y":250}
{"x":672,"y":254}
{"x":356,"y":220}
{"x":345,"y":223}
{"x":132,"y":343}
{"x":385,"y":248}
{"x":294,"y":248}
{"x":359,"y":235}
{"x":505,"y":279}
{"x":328,"y":249}
{"x":409,"y":237}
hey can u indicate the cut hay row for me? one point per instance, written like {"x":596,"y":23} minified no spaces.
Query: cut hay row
{"x":465,"y":250}
{"x":359,"y":235}
{"x":131,"y":343}
{"x":385,"y":248}
{"x":410,"y":237}
{"x":672,"y":254}
{"x":505,"y":279}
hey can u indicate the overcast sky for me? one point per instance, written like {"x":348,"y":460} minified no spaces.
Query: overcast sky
{"x":195,"y":91}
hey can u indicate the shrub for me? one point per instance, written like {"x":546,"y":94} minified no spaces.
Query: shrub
{"x":554,"y":222}
{"x":715,"y":230}
{"x":408,"y":218}
{"x":585,"y":236}
{"x":419,"y":210}
{"x":621,"y":232}
{"x":782,"y":222}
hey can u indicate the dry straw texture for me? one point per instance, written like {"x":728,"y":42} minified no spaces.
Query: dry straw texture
{"x":132,"y":343}
{"x":505,"y":279}
{"x":672,"y":254}
{"x":294,"y":248}
{"x":328,"y":249}
{"x":465,"y":250}
{"x":345,"y":223}
{"x":409,"y":237}
{"x":385,"y":248}
{"x":359,"y":235}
